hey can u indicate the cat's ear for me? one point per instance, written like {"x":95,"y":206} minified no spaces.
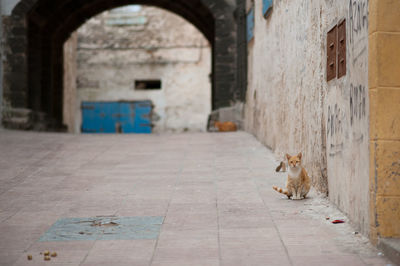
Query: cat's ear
{"x":299,"y":155}
{"x":288,"y":156}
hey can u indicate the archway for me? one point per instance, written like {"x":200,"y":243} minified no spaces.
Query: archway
{"x":37,"y":29}
{"x":124,"y":57}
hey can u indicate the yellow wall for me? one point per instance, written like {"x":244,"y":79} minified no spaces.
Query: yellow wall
{"x":384,"y":94}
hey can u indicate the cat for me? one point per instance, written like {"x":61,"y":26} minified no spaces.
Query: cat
{"x":225,"y":126}
{"x":298,"y":183}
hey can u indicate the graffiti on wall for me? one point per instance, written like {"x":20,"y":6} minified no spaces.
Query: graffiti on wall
{"x":358,"y":18}
{"x":358,"y":28}
{"x":357,"y":103}
{"x":335,"y":120}
{"x":358,"y":111}
{"x":335,"y":127}
{"x":338,"y":121}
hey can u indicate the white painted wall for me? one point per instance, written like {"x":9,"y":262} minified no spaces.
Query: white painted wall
{"x":291,"y":107}
{"x":167,"y":47}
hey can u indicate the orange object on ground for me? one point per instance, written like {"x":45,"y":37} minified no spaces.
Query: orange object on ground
{"x":225,"y":126}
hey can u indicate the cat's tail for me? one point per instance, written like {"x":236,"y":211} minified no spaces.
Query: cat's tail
{"x":281,"y":190}
{"x":279,"y":167}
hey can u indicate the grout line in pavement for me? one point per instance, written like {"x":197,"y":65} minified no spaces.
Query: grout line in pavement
{"x":216,"y":207}
{"x":87,"y":254}
{"x":178,"y":175}
{"x":273,"y":222}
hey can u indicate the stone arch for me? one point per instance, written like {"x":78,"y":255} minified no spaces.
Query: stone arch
{"x":36,"y":30}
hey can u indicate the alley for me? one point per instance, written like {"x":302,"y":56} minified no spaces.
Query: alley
{"x":212,"y":193}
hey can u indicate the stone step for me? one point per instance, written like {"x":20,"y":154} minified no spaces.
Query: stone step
{"x":391,"y":248}
{"x":17,"y":118}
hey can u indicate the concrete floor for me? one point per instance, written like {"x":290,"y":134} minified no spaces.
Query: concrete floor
{"x":213,"y":190}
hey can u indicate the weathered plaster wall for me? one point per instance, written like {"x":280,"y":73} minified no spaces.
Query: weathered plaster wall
{"x":165,"y":47}
{"x":291,"y":107}
{"x":70,"y":75}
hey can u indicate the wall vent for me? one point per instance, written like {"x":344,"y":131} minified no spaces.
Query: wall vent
{"x":148,"y":84}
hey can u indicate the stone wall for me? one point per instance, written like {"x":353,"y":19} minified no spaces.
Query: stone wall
{"x":384,"y":89}
{"x":155,"y":44}
{"x":291,"y":107}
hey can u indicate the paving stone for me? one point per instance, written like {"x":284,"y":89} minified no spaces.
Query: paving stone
{"x":211,"y":193}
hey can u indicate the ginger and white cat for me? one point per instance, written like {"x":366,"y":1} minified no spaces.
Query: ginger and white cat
{"x":298,"y":183}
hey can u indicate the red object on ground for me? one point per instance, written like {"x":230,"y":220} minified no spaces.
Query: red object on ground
{"x":338,"y":221}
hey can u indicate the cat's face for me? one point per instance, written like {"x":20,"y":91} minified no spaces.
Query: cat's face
{"x":294,"y":161}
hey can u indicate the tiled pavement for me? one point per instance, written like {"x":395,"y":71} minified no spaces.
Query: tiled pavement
{"x":213,"y":190}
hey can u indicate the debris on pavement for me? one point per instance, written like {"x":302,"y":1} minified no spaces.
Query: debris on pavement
{"x":103,"y":224}
{"x":29,"y":257}
{"x":46,"y":255}
{"x":338,"y":221}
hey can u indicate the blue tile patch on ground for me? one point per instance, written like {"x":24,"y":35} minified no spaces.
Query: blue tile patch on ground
{"x":104,"y":228}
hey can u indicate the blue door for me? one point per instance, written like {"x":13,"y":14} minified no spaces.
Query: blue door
{"x":99,"y":117}
{"x":91,"y":117}
{"x":109,"y":117}
{"x":116,"y":117}
{"x":143,"y":116}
